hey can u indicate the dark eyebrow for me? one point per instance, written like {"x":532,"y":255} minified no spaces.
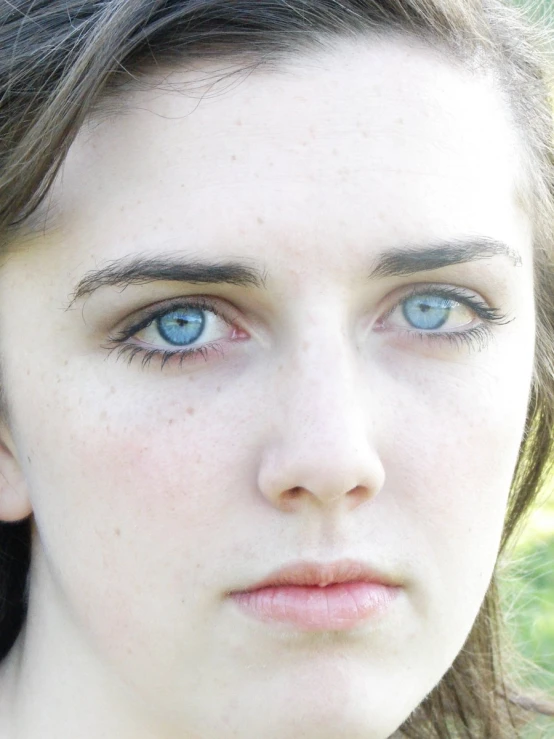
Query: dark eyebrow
{"x":412,"y":259}
{"x":139,"y":270}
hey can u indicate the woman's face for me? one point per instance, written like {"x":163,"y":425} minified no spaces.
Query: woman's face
{"x":288,"y":321}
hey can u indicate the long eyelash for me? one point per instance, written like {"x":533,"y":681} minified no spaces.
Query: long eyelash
{"x":474,"y":339}
{"x":132,"y":352}
{"x":479,"y":307}
{"x":196,"y":304}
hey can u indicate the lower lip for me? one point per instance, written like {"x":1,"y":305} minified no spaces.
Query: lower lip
{"x":336,"y":607}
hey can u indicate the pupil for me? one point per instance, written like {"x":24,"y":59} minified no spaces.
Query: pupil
{"x":427,"y":312}
{"x":181,"y":327}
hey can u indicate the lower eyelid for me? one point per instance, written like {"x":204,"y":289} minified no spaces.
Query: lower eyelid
{"x":475,"y":339}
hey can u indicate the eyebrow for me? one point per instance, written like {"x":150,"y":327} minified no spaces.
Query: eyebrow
{"x":397,"y":262}
{"x":412,"y":259}
{"x":140,"y":270}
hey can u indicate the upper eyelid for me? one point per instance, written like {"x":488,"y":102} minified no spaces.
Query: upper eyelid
{"x":444,"y":289}
{"x":133,"y":324}
{"x":145,"y":316}
{"x":463,"y":295}
{"x":121,"y":343}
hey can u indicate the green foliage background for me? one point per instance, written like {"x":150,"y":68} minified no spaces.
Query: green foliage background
{"x":528,"y":590}
{"x":543,"y":9}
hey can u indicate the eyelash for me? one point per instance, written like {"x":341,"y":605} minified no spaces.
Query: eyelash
{"x":130,"y":352}
{"x":475,"y":338}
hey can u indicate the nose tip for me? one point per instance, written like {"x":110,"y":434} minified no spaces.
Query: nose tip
{"x":321,"y":448}
{"x":326,"y":478}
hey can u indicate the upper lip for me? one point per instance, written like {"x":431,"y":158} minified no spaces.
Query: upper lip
{"x":316,"y":574}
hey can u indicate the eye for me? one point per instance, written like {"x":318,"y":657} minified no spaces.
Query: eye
{"x":183,"y":327}
{"x":428,"y":312}
{"x":179,"y":331}
{"x":443,"y":313}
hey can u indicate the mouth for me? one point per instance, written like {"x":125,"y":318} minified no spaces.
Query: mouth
{"x":320,"y":597}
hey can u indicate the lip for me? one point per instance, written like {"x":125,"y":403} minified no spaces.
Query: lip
{"x":320,"y":597}
{"x":313,"y":574}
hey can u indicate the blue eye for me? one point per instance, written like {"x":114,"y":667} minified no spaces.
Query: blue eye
{"x":182,"y":327}
{"x":427,"y":312}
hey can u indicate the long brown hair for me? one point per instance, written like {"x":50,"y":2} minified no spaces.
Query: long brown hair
{"x":60,"y":59}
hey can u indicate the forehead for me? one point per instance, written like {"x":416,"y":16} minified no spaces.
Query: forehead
{"x":387,"y":136}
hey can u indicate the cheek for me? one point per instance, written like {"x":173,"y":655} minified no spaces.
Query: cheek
{"x":449,"y":473}
{"x":132,"y":512}
{"x":163,"y":477}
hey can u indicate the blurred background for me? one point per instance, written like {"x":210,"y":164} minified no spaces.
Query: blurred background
{"x":527,"y":585}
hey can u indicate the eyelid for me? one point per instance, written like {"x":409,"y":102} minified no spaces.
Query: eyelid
{"x":121,"y":338}
{"x":470,"y":298}
{"x":146,"y":316}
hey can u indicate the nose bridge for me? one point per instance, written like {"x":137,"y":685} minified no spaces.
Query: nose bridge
{"x":323,"y":389}
{"x":323,"y":439}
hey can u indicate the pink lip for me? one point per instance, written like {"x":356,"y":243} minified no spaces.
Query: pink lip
{"x":314,"y":597}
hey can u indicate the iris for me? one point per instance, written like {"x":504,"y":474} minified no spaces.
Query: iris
{"x":427,"y":312}
{"x":182,"y":326}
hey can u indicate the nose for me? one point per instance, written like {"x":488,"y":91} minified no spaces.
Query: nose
{"x":322,"y":450}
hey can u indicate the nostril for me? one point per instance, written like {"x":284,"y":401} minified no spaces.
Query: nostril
{"x":290,"y":498}
{"x":358,"y":495}
{"x":294,"y":492}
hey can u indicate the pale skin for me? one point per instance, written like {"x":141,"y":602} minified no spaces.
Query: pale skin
{"x":324,"y":425}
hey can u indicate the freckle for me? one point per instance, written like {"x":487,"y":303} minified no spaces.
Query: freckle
{"x":117,"y":532}
{"x":171,"y":422}
{"x":260,"y":220}
{"x":218,"y":389}
{"x":29,"y":460}
{"x":190,"y":411}
{"x":234,"y":157}
{"x":238,"y":122}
